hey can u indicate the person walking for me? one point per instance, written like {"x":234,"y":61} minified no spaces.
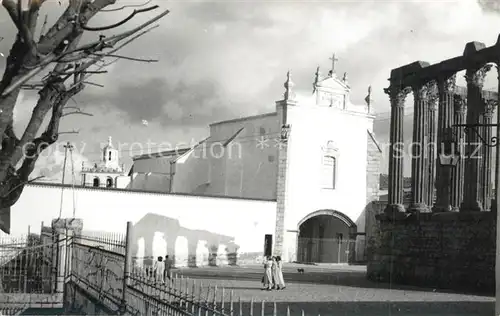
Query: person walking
{"x":273,"y":273}
{"x":268,"y":275}
{"x":280,"y":281}
{"x":159,"y":269}
{"x":168,"y":268}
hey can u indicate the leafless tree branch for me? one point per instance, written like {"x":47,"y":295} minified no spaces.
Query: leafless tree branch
{"x":126,"y":6}
{"x":93,"y":84}
{"x":112,"y":26}
{"x":127,"y":58}
{"x":79,"y":112}
{"x":16,"y":13}
{"x":44,"y":25}
{"x":58,"y":52}
{"x":97,"y":46}
{"x":22,"y":184}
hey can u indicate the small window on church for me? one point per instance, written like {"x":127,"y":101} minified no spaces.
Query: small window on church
{"x":109,"y":183}
{"x":270,"y":158}
{"x":329,"y":172}
{"x":96,"y":182}
{"x":109,"y":156}
{"x":262,"y":131}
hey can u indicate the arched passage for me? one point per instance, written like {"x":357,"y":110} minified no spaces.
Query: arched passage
{"x":325,"y":236}
{"x":109,"y":182}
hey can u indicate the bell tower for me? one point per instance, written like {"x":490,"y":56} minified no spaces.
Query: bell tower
{"x":106,"y":172}
{"x":110,"y":156}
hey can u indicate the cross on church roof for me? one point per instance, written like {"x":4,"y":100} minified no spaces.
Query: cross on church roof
{"x":333,"y":59}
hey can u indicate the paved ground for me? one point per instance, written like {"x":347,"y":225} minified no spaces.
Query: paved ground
{"x":337,"y":290}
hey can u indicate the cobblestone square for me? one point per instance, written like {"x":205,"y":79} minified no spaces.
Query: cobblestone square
{"x":336,"y":290}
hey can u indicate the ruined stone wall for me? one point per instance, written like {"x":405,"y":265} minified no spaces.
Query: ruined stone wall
{"x":444,"y":250}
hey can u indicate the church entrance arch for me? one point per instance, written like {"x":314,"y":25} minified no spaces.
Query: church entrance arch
{"x":325,"y":236}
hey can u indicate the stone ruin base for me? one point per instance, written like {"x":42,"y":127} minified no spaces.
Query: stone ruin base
{"x":441,"y":250}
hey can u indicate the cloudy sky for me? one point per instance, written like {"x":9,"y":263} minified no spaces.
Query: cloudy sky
{"x":226,"y":59}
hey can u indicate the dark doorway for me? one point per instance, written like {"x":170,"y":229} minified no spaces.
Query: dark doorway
{"x":324,"y":239}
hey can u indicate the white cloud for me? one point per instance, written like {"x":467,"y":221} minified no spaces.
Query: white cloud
{"x":50,"y":165}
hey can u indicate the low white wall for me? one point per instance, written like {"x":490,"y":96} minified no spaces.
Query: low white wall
{"x":161,"y":220}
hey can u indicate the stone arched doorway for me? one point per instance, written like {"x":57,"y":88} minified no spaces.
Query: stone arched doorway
{"x":326,"y":236}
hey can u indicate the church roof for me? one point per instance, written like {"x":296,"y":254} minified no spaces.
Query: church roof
{"x":165,"y":154}
{"x":173,"y":154}
{"x":244,"y":118}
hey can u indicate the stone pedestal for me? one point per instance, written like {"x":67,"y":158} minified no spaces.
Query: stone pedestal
{"x":420,"y":96}
{"x":232,"y":253}
{"x":446,"y":89}
{"x":213,"y":249}
{"x":192,"y":247}
{"x":472,"y":193}
{"x":397,"y":96}
{"x":63,"y":230}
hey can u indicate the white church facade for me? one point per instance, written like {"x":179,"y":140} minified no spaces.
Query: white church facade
{"x":304,"y":173}
{"x":326,"y":167}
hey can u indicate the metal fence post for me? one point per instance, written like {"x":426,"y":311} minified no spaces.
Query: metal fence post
{"x":127,"y":265}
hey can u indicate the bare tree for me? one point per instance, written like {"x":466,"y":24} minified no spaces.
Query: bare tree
{"x":58,"y":65}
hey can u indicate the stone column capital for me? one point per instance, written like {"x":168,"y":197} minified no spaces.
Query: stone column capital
{"x":421,"y":91}
{"x":433,"y":96}
{"x":447,"y":84}
{"x":460,"y":103}
{"x":489,"y":107}
{"x":397,"y":95}
{"x":476,"y":76}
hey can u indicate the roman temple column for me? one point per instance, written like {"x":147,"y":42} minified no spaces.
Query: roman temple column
{"x":420,"y":96}
{"x":446,"y":89}
{"x":397,"y":95}
{"x":487,"y":151}
{"x":472,"y":195}
{"x":457,"y":173}
{"x":430,"y":176}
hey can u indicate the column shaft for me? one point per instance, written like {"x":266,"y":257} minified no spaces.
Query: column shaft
{"x":487,"y":131}
{"x":420,"y":96}
{"x":472,"y":195}
{"x":446,"y":88}
{"x":430,"y":176}
{"x":457,"y":173}
{"x":397,"y":96}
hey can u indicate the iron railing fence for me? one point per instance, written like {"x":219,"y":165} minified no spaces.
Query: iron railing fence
{"x":25,"y":265}
{"x":103,"y":257}
{"x":114,"y":242}
{"x":185,"y":296}
{"x":102,"y":265}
